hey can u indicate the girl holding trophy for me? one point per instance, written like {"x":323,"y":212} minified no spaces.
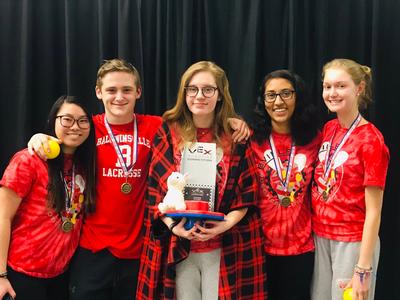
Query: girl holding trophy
{"x":212,"y":259}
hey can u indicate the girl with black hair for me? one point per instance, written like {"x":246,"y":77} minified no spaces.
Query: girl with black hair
{"x":285,"y":144}
{"x":41,"y":205}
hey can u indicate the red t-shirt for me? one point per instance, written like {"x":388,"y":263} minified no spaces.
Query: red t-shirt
{"x":38,"y":246}
{"x":362,"y":161}
{"x":117,"y":222}
{"x":287,"y":229}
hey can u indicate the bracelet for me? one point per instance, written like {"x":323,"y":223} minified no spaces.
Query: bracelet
{"x":359,"y":269}
{"x":363,"y":273}
{"x":3,"y":275}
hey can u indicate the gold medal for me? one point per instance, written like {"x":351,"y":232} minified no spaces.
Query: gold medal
{"x":325,"y":195}
{"x":126,"y":188}
{"x":285,"y":202}
{"x":67,"y":225}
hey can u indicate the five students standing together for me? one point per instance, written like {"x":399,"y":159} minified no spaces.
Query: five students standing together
{"x":288,"y":181}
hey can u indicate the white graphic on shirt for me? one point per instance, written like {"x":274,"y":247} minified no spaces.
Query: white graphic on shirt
{"x":123,"y":138}
{"x":126,"y":151}
{"x":327,"y":184}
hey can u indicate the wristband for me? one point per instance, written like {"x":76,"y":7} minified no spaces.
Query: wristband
{"x":3,"y":275}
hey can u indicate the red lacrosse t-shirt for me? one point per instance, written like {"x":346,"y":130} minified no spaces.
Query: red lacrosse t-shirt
{"x":338,"y":199}
{"x":117,"y":222}
{"x":286,"y":226}
{"x":38,"y":246}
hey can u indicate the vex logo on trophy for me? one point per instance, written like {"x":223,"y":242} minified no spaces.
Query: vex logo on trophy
{"x":200,"y":150}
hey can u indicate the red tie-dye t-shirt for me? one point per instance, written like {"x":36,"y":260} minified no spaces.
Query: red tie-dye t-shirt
{"x":287,"y":229}
{"x":338,"y":198}
{"x":38,"y":246}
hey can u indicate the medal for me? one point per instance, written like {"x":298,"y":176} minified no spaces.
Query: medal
{"x":283,"y":175}
{"x":325,"y":195}
{"x":128,"y":164}
{"x":72,"y":207}
{"x":126,"y":188}
{"x":285,"y":202}
{"x":67,"y":225}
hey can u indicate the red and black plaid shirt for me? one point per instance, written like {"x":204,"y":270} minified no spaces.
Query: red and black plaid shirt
{"x":242,"y":269}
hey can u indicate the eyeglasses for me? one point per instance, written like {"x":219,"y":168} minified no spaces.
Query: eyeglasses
{"x":207,"y":91}
{"x":68,"y":121}
{"x":284,"y":94}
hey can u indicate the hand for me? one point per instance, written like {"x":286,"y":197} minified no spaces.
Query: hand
{"x":241,"y":130}
{"x":210,"y":230}
{"x":5,"y":287}
{"x":360,"y":289}
{"x":179,"y":230}
{"x":38,"y":144}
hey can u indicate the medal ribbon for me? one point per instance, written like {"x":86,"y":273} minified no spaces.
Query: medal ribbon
{"x":285,"y":182}
{"x":125,"y":168}
{"x":69,"y":195}
{"x":330,"y":159}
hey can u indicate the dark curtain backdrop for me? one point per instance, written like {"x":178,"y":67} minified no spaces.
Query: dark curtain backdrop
{"x":51,"y":47}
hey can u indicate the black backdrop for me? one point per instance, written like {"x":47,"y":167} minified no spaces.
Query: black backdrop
{"x":51,"y":47}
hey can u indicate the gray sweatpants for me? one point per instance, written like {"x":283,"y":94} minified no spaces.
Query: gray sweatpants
{"x":334,"y":268}
{"x":197,"y":277}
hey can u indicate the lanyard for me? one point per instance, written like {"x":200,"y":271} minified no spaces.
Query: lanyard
{"x":284,"y":181}
{"x":125,"y":168}
{"x":330,"y":159}
{"x":69,"y":195}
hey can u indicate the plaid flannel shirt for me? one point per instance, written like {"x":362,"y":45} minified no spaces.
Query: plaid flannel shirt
{"x":242,"y":267}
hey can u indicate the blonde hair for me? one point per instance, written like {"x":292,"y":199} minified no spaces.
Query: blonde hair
{"x":116,"y":65}
{"x":181,"y":116}
{"x":358,"y":73}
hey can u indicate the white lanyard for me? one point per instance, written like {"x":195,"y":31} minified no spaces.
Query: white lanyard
{"x":125,"y":168}
{"x":330,"y":159}
{"x":285,"y":182}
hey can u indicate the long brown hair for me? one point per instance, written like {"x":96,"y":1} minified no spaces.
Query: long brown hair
{"x":181,"y":116}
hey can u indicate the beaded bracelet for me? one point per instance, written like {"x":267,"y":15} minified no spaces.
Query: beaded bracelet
{"x":362,"y":272}
{"x":3,"y":275}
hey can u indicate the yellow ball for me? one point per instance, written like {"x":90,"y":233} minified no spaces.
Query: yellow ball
{"x":347,"y":294}
{"x":54,"y":149}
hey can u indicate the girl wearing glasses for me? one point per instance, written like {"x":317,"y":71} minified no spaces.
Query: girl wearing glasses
{"x":348,"y":185}
{"x":285,"y":143}
{"x":41,"y":206}
{"x":218,"y":259}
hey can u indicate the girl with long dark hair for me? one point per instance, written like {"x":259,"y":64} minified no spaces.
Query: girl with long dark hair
{"x":285,"y":144}
{"x":41,"y":205}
